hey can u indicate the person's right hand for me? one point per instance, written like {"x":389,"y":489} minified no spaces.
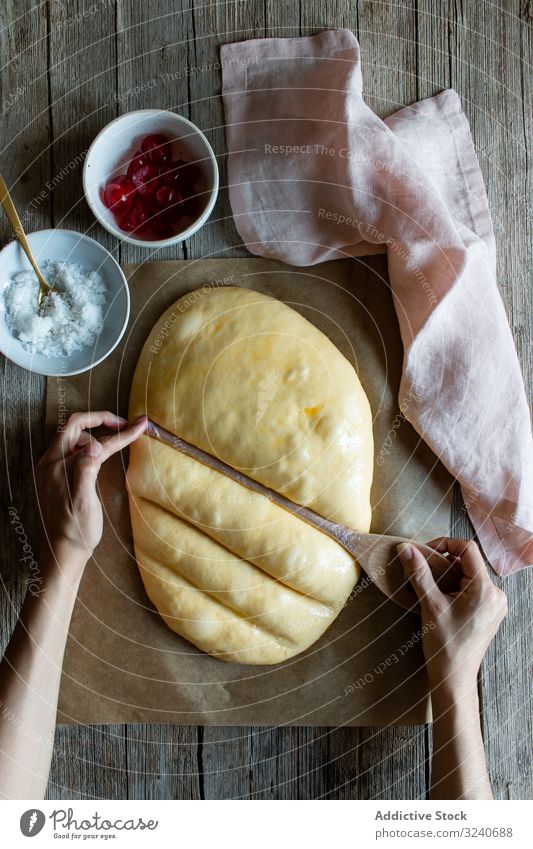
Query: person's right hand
{"x":456,"y":628}
{"x":66,"y":478}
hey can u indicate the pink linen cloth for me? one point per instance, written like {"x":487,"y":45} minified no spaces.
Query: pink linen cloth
{"x":315,"y":175}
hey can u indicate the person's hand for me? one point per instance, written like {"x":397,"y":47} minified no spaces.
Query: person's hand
{"x":66,"y":482}
{"x":456,"y":628}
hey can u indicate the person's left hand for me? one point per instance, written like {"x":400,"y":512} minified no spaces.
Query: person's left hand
{"x":66,"y":482}
{"x":457,"y":627}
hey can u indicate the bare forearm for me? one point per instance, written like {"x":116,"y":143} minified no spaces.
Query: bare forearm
{"x":30,"y":674}
{"x":458,"y":767}
{"x":72,"y":522}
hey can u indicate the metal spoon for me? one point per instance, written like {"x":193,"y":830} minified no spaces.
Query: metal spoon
{"x":375,"y":553}
{"x":12,"y":216}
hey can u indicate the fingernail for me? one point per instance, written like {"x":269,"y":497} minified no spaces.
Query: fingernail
{"x":139,"y":419}
{"x":405,"y":552}
{"x":92,"y":449}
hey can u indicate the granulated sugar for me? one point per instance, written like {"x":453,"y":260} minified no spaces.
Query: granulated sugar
{"x":70,"y":318}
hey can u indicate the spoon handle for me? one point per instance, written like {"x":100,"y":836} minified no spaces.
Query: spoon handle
{"x":376,"y":553}
{"x":14,"y":220}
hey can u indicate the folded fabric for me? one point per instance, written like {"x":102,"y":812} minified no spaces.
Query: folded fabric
{"x":314,"y":175}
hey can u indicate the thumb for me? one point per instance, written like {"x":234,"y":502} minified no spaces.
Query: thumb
{"x":416,"y":569}
{"x":86,"y":470}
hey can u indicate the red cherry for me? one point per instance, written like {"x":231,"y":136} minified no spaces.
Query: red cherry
{"x":145,"y":179}
{"x":170,"y":173}
{"x":166,"y":196}
{"x":135,"y":219}
{"x":148,"y":203}
{"x":167,"y":177}
{"x":156,"y":147}
{"x":156,"y":193}
{"x":138,"y":161}
{"x":162,"y":225}
{"x":118,"y":194}
{"x":174,"y":213}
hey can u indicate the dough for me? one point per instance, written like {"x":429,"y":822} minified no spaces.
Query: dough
{"x":248,"y":379}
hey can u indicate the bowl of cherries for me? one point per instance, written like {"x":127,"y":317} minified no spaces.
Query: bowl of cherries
{"x":151,"y":178}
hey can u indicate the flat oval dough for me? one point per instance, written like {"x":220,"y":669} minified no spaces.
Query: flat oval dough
{"x":248,"y":379}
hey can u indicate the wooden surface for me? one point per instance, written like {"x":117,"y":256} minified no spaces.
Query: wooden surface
{"x":67,"y":69}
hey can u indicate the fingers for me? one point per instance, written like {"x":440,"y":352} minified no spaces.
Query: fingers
{"x":450,"y":544}
{"x":417,"y":570}
{"x":83,"y":439}
{"x":86,"y":440}
{"x":88,"y":462}
{"x":467,"y":554}
{"x":110,"y":445}
{"x":104,"y":448}
{"x":65,"y":441}
{"x":84,"y":474}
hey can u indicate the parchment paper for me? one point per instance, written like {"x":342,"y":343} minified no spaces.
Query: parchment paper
{"x":123,"y":664}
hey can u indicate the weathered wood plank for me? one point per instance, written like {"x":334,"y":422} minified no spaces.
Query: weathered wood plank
{"x":89,"y":763}
{"x":163,"y":762}
{"x":93,"y":73}
{"x":152,"y":73}
{"x":283,"y":20}
{"x":25,"y":165}
{"x":436,"y":40}
{"x":388,"y":39}
{"x":304,"y":763}
{"x":436,"y":49}
{"x":493,"y":77}
{"x":82,"y":76}
{"x":213,"y":25}
{"x":82,"y":81}
{"x":487,"y":52}
{"x":329,"y":14}
{"x":393,"y":763}
{"x":281,"y":763}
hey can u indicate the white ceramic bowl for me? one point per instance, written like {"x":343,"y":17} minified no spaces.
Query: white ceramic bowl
{"x":77,"y":248}
{"x":113,"y":149}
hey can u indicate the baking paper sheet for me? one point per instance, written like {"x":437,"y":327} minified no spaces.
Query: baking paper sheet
{"x":123,"y":664}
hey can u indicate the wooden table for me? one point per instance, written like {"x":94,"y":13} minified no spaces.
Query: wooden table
{"x":70,"y":67}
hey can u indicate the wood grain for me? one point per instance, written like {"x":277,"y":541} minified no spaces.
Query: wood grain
{"x":497,"y":100}
{"x":25,"y":165}
{"x":66,"y":72}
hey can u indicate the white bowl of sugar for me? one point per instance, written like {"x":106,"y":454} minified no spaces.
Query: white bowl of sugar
{"x":81,"y":323}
